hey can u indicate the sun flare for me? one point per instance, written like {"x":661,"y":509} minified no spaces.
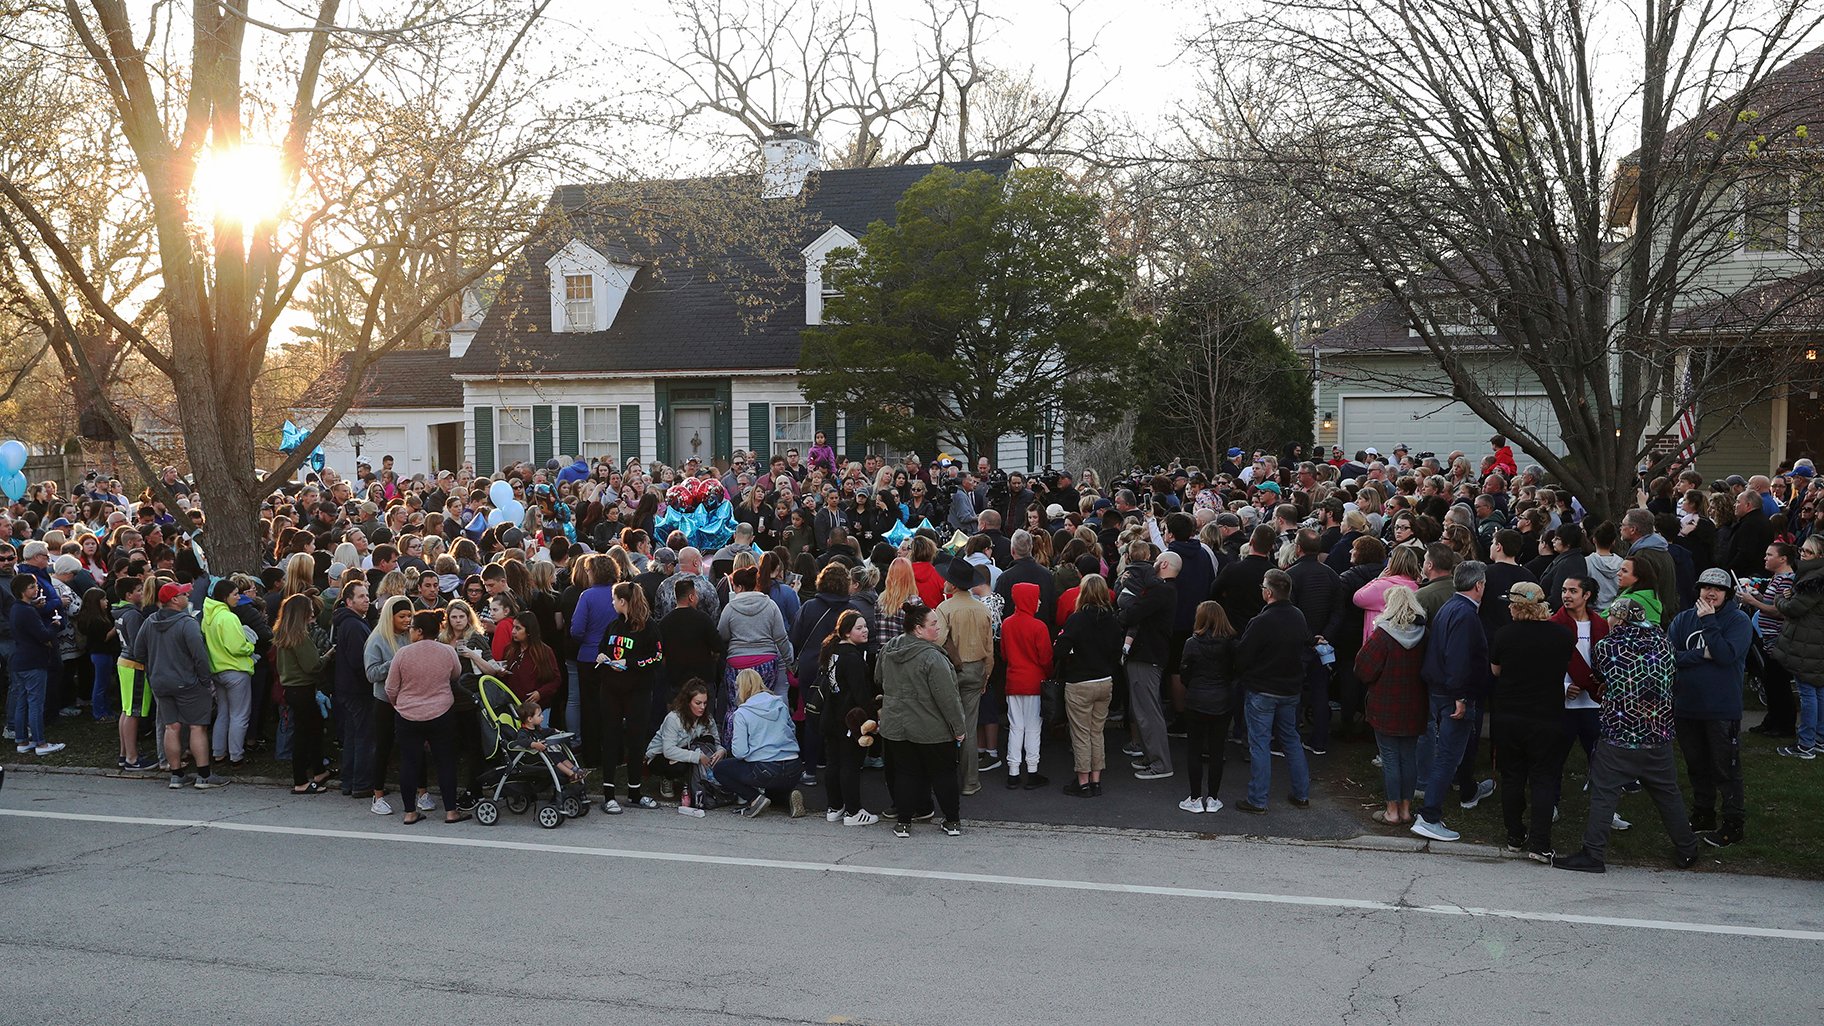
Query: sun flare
{"x":243,"y":184}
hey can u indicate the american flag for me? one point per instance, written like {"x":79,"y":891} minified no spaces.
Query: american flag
{"x":1687,"y":416}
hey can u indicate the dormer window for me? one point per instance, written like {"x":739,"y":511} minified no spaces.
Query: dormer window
{"x":586,"y":288}
{"x":816,"y":257}
{"x":579,"y":302}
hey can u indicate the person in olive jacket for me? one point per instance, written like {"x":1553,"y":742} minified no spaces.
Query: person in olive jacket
{"x":921,"y":716}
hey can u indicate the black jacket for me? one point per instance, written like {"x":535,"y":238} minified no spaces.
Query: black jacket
{"x":1748,"y":541}
{"x":1208,"y":669}
{"x":1089,"y":646}
{"x":1150,"y":616}
{"x":1028,"y":571}
{"x":1270,"y":658}
{"x":348,"y":667}
{"x":692,"y":645}
{"x":1317,"y":591}
{"x":1238,"y":588}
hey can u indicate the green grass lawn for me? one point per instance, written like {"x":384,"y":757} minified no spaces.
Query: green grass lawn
{"x":1785,"y":799}
{"x":1785,"y":832}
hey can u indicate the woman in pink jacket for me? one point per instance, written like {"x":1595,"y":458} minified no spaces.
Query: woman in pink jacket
{"x":1404,"y":565}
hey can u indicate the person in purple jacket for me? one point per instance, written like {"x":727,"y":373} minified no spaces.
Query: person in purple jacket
{"x":595,"y":614}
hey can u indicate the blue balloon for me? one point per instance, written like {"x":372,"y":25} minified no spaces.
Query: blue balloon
{"x":497,"y":517}
{"x":14,"y":485}
{"x":500,"y":493}
{"x":12,"y":457}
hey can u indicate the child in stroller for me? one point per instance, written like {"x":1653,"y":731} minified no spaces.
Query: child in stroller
{"x":529,"y":764}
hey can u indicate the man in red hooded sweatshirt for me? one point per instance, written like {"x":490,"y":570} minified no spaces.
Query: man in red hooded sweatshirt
{"x":1026,"y":649}
{"x":1504,"y":456}
{"x":1582,"y":690}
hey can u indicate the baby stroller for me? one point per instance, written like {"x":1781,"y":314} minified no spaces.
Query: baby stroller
{"x":518,"y":776}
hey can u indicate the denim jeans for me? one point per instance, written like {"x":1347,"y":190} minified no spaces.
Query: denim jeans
{"x":1270,"y":716}
{"x":1448,"y":740}
{"x":1811,"y":715}
{"x":747,"y":779}
{"x":1399,"y":765}
{"x":28,"y":714}
{"x":105,"y":693}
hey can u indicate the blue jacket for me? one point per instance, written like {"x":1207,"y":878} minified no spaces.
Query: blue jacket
{"x":1456,"y":655}
{"x":763,"y":730}
{"x":1711,"y":653}
{"x":34,"y":639}
{"x":594,"y":613}
{"x":1196,"y":578}
{"x":578,"y":471}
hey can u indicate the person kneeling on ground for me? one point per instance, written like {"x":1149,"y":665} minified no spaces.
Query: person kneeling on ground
{"x":687,"y":747}
{"x":763,"y":762}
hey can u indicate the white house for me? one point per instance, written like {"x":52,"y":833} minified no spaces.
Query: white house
{"x":640,"y":325}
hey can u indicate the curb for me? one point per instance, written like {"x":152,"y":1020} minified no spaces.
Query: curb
{"x":1360,"y":842}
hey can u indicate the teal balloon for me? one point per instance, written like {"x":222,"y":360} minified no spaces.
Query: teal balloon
{"x":12,"y":457}
{"x":14,"y":485}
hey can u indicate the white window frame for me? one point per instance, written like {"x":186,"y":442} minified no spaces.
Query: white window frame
{"x":815,"y":256}
{"x":597,"y":445}
{"x":579,"y":302}
{"x":609,"y":284}
{"x":517,"y":421}
{"x":783,"y":441}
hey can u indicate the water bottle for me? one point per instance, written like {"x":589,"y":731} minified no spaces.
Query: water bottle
{"x":1326,"y":653}
{"x":685,"y":808}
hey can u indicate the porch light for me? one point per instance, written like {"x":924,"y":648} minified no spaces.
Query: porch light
{"x":1329,"y":420}
{"x":1811,"y":355}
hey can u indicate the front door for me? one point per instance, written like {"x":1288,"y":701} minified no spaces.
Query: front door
{"x":693,"y":433}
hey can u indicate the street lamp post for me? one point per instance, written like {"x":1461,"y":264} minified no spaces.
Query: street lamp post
{"x":355,"y":434}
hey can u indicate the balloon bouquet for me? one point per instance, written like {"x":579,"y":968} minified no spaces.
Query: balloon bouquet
{"x":12,"y":469}
{"x":291,"y":436}
{"x":507,"y":509}
{"x":698,"y":507}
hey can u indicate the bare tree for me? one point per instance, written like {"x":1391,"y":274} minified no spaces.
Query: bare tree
{"x":407,"y":148}
{"x":1472,"y":159}
{"x":875,"y":95}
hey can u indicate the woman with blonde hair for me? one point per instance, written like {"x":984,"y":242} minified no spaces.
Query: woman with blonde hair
{"x":1405,"y":565}
{"x":1396,"y":699}
{"x":391,"y":633}
{"x":1529,"y":659}
{"x":901,"y":587}
{"x":762,"y":761}
{"x":300,"y":573}
{"x":1086,"y":657}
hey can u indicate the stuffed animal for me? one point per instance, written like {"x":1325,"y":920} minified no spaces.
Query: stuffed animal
{"x":863,"y":726}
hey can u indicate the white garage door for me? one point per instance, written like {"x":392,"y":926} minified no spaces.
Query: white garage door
{"x":1428,"y":424}
{"x":386,"y":440}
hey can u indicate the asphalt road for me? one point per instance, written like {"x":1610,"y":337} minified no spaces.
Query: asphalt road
{"x":126,"y":902}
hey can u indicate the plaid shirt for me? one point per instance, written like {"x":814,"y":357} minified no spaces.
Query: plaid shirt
{"x":1634,"y":664}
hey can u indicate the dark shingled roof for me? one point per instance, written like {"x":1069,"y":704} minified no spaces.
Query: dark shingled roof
{"x":417,"y":378}
{"x":720,"y":284}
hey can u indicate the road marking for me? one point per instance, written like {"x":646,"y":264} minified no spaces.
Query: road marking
{"x":794,"y":865}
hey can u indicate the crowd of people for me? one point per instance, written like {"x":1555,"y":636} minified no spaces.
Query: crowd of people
{"x":944,"y":621}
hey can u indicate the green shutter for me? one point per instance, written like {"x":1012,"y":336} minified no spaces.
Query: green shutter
{"x":823,"y":415}
{"x":569,"y":438}
{"x":855,"y":445}
{"x":1032,"y":452}
{"x":760,"y":431}
{"x":541,"y":435}
{"x":630,"y":432}
{"x":484,"y":439}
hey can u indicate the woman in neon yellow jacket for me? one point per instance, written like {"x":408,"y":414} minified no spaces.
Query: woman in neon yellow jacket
{"x":231,"y":660}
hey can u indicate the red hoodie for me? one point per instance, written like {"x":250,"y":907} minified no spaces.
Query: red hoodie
{"x":1025,"y":643}
{"x":1504,"y":461}
{"x":1580,"y":670}
{"x":930,"y":584}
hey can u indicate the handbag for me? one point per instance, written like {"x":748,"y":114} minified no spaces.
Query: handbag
{"x":1051,"y":702}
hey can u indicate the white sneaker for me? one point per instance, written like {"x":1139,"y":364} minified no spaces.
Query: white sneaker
{"x":1483,"y":790}
{"x":1617,"y":823}
{"x":1212,"y":804}
{"x":833,"y":815}
{"x":209,"y":783}
{"x":6,"y":733}
{"x":862,"y":817}
{"x":22,"y":749}
{"x":425,"y":804}
{"x":381,"y":807}
{"x":48,"y":748}
{"x":611,"y":807}
{"x":1435,"y":831}
{"x":1191,"y":805}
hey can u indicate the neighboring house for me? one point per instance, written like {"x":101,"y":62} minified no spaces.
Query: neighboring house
{"x":1769,"y":284}
{"x":650,"y":321}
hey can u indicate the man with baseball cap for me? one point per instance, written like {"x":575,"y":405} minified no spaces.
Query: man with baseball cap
{"x":170,"y":645}
{"x":1710,"y":649}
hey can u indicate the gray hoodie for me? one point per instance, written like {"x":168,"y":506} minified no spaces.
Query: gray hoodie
{"x":751,"y":625}
{"x":377,"y":659}
{"x":1605,"y":569}
{"x":171,"y":647}
{"x":1406,"y":635}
